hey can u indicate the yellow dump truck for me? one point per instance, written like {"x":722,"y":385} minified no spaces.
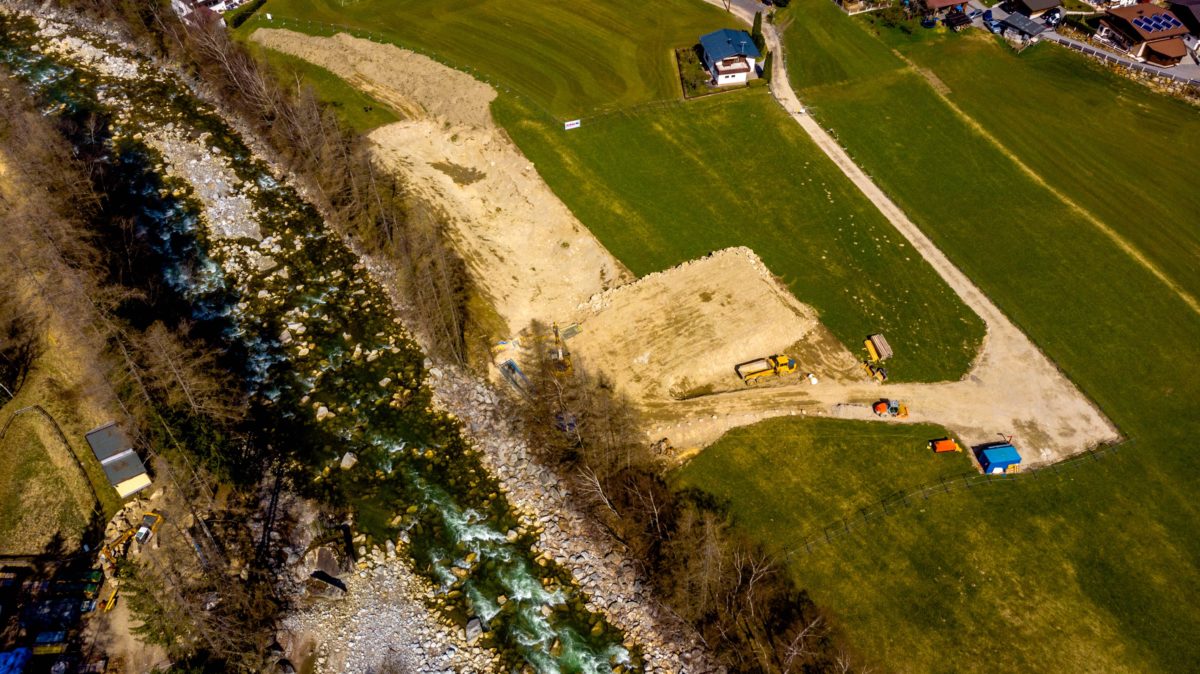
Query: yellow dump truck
{"x":757,"y":369}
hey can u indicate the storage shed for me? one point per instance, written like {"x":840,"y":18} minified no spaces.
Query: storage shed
{"x":997,"y":459}
{"x":122,"y":465}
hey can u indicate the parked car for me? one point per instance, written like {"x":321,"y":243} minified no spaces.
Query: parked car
{"x":1054,"y":17}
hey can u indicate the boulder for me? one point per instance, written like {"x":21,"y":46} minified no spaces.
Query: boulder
{"x":349,"y":458}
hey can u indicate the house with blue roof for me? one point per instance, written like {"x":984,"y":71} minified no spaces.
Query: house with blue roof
{"x":729,"y":55}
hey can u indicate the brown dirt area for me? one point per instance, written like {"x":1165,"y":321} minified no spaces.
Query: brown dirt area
{"x":527,"y":252}
{"x":688,"y":325}
{"x":680,"y":332}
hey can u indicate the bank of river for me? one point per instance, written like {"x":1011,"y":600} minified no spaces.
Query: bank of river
{"x":334,"y":378}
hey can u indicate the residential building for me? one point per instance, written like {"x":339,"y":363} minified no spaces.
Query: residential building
{"x":729,"y":55}
{"x":1145,"y":32}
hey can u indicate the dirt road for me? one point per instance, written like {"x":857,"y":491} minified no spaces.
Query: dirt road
{"x":527,"y":251}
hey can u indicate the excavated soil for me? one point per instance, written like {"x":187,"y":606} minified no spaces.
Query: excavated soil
{"x":526,"y":251}
{"x":679,"y":333}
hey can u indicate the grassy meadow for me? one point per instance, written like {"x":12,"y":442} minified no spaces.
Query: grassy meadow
{"x":356,"y":109}
{"x":569,"y":59}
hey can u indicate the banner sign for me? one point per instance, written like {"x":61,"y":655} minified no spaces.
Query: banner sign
{"x":573,"y":124}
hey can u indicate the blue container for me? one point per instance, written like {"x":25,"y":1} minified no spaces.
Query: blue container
{"x":997,"y":458}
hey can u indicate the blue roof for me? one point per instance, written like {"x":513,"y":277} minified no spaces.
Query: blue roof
{"x":1000,"y":455}
{"x":726,"y":42}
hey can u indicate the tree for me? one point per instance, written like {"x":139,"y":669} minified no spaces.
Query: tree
{"x":756,"y":33}
{"x":20,"y":342}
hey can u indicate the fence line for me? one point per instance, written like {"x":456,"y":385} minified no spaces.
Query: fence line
{"x":896,"y":502}
{"x":1126,"y":63}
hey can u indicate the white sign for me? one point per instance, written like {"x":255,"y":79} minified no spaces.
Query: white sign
{"x":573,"y":124}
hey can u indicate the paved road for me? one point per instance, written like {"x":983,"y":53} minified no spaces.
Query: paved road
{"x":1012,"y":385}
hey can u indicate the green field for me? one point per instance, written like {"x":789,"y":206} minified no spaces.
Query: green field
{"x":568,"y":59}
{"x":789,"y":479}
{"x":1091,"y":572}
{"x":38,"y":499}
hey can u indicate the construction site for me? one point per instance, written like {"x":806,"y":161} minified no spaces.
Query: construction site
{"x":680,"y":341}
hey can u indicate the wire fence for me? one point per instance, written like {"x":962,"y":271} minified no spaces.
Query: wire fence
{"x":973,"y":481}
{"x":1124,"y":62}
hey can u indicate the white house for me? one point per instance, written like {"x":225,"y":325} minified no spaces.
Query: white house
{"x":729,"y":55}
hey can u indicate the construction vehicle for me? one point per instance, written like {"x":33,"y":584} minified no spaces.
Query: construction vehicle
{"x":875,"y":372}
{"x":753,"y":371}
{"x":890,"y":408}
{"x":112,"y":599}
{"x":150,"y":524}
{"x":120,"y":545}
{"x":943,"y":445}
{"x":878,"y":348}
{"x":560,"y":355}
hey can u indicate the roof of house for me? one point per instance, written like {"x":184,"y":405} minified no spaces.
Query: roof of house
{"x":1172,"y":49}
{"x":1039,"y":5}
{"x":122,"y":465}
{"x":1150,"y":22}
{"x":726,"y":42}
{"x":942,"y":4}
{"x":107,"y":441}
{"x":1187,"y":10}
{"x":1024,"y":24}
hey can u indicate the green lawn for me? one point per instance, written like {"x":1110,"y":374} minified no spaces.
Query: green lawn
{"x":568,"y":59}
{"x":355,"y":108}
{"x":666,"y":185}
{"x":788,"y":478}
{"x":38,"y":499}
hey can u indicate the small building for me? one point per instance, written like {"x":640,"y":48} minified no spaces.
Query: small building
{"x":942,"y":7}
{"x":1188,"y":12}
{"x":1021,"y":26}
{"x":998,"y":459}
{"x":1034,"y":8}
{"x":1145,"y":32}
{"x":729,"y":55}
{"x":123,"y":467}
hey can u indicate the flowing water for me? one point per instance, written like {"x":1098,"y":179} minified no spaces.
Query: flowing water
{"x":329,"y":367}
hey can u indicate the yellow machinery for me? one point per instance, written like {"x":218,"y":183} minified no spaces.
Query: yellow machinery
{"x":872,"y":354}
{"x":752,"y":371}
{"x":112,"y":598}
{"x":561,"y":356}
{"x":120,"y":545}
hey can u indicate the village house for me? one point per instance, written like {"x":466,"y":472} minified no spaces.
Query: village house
{"x":1034,"y":8}
{"x":729,"y":55}
{"x":1187,"y":11}
{"x":1145,"y":32}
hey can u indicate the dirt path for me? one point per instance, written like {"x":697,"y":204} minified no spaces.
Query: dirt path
{"x":526,"y":250}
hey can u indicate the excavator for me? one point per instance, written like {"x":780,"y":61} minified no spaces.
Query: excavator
{"x":119,"y":547}
{"x":890,"y":408}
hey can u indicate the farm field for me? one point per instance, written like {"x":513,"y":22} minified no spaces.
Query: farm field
{"x":786,"y":478}
{"x":571,"y":60}
{"x":1082,"y":573}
